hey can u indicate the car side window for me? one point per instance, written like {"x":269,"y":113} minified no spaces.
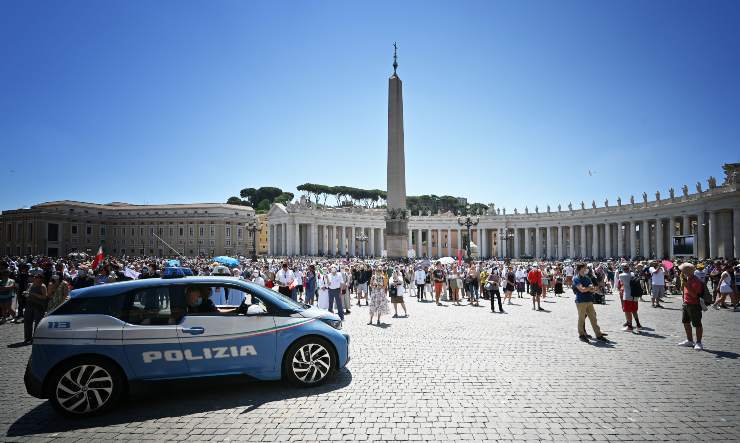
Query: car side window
{"x":155,"y":306}
{"x":219,"y":300}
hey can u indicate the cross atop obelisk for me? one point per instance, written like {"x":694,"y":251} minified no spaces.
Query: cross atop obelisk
{"x":396,"y":219}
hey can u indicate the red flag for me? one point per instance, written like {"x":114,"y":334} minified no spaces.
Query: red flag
{"x":459,"y":257}
{"x":98,"y":258}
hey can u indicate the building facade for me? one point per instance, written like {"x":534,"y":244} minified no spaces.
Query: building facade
{"x":60,"y":227}
{"x":644,"y":228}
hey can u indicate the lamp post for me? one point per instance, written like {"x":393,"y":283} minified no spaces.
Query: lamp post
{"x":362,"y":238}
{"x":253,"y":227}
{"x":468,"y":222}
{"x":506,"y":235}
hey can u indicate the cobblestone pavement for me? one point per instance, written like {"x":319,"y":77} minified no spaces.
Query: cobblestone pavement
{"x":443,"y":374}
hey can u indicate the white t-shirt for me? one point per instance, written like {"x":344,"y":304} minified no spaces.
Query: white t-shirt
{"x":284,"y":278}
{"x":625,"y":277}
{"x":657,"y":276}
{"x":419,"y":277}
{"x":336,"y":281}
{"x":569,"y":271}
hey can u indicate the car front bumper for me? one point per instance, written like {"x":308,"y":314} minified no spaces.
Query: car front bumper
{"x":34,"y":386}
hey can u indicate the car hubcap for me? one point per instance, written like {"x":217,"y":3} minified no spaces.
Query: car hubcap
{"x":311,"y":363}
{"x":84,"y":389}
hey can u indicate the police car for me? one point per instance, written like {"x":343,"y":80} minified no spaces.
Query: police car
{"x":88,"y":350}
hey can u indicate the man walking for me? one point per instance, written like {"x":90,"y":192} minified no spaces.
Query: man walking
{"x":584,"y":289}
{"x":535,"y":286}
{"x":629,"y":303}
{"x":657,"y":281}
{"x":691,"y":312}
{"x":336,"y":282}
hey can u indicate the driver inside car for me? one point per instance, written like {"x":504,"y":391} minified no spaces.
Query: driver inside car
{"x":199,"y":302}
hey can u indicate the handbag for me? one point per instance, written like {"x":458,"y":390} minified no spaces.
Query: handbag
{"x":393,"y":291}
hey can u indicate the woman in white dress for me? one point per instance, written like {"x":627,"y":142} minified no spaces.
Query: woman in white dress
{"x":323,"y":284}
{"x":378,"y":301}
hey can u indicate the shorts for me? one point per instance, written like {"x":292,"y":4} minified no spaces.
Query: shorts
{"x":396,"y":299}
{"x":629,"y":306}
{"x":300,"y":288}
{"x":535,"y":289}
{"x":437,"y":287}
{"x":362,"y":287}
{"x":658,"y":291}
{"x":691,"y":313}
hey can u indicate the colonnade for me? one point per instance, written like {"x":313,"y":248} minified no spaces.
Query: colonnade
{"x":716,"y":233}
{"x":315,"y":239}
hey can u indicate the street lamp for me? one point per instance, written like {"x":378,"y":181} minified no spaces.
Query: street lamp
{"x":468,"y":222}
{"x":253,"y":227}
{"x":362,"y":238}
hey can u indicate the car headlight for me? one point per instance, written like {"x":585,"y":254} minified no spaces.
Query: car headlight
{"x":336,"y":324}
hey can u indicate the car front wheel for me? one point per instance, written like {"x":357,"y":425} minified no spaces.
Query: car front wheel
{"x":85,"y":387}
{"x":309,"y":362}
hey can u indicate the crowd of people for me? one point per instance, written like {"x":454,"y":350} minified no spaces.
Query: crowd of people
{"x":32,"y":286}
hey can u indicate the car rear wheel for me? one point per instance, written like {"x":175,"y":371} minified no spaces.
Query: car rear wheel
{"x":85,"y":387}
{"x":309,"y":362}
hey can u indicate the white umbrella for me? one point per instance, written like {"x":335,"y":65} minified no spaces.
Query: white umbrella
{"x":447,"y":260}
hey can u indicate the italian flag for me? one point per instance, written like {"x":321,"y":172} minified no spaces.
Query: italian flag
{"x":98,"y":258}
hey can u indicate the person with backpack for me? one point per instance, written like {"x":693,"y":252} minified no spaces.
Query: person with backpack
{"x":693,"y":295}
{"x":630,"y":291}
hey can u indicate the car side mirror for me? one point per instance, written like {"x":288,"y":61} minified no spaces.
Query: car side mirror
{"x":255,"y":310}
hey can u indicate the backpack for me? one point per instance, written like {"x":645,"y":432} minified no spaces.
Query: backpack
{"x":635,"y":288}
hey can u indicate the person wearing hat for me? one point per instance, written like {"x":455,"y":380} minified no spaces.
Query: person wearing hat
{"x":691,"y":311}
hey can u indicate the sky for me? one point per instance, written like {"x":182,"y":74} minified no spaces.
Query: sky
{"x":505,"y":102}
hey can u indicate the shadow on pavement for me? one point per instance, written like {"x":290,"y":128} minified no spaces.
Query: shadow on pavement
{"x":723,"y":354}
{"x":174,"y":399}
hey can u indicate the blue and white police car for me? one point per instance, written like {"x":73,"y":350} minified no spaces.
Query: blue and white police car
{"x":91,"y":348}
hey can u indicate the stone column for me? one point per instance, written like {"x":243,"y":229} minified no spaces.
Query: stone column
{"x":584,"y":251}
{"x":411,"y":240}
{"x":459,"y":239}
{"x":418,"y":243}
{"x":371,"y":243}
{"x":736,"y":231}
{"x":686,"y":225}
{"x":297,"y":239}
{"x":527,"y":241}
{"x":633,"y":239}
{"x":701,"y":240}
{"x":713,"y":234}
{"x":516,"y":243}
{"x":270,"y":239}
{"x":608,"y":239}
{"x":325,"y":240}
{"x":439,"y":243}
{"x":659,"y":250}
{"x":449,"y":242}
{"x":537,"y":242}
{"x":645,"y":238}
{"x":561,"y":243}
{"x":382,"y":241}
{"x":595,"y":240}
{"x":314,"y":239}
{"x":352,"y":241}
{"x":549,"y":243}
{"x":342,"y":247}
{"x":429,"y":243}
{"x":571,"y":242}
{"x":620,"y":239}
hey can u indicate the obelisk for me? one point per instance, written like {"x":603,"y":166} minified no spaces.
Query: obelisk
{"x":396,"y":220}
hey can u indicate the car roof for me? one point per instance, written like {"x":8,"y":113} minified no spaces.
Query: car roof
{"x":110,"y":289}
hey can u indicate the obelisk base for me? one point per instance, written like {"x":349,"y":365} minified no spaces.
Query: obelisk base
{"x":396,"y":238}
{"x":396,"y":246}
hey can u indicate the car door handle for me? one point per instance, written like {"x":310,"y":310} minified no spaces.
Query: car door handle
{"x":194,"y":330}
